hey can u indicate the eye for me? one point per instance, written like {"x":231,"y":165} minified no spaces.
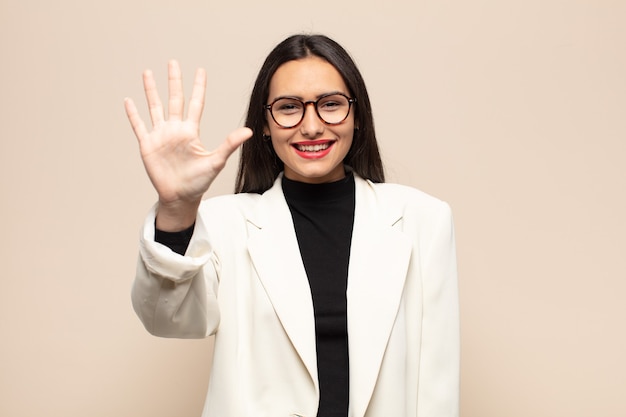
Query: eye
{"x":286,"y":106}
{"x":332,"y":103}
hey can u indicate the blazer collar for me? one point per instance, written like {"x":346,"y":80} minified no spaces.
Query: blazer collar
{"x":379,"y":260}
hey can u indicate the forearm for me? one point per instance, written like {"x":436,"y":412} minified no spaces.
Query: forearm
{"x":176,"y":241}
{"x":174,"y":295}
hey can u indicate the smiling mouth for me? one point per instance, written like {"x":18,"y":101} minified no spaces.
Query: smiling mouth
{"x":313,"y":148}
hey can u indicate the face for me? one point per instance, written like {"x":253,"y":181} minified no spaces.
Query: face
{"x":312,"y":151}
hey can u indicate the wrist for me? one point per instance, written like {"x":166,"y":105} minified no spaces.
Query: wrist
{"x":176,"y":216}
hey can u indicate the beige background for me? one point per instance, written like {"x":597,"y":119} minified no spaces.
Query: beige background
{"x":513,"y":111}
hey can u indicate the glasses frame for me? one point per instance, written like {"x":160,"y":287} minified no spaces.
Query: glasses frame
{"x":351,"y":101}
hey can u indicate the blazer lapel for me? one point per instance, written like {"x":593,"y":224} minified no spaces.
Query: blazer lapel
{"x":275,"y":253}
{"x":379,"y":261}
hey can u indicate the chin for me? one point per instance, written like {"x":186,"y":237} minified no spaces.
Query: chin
{"x":314,"y":176}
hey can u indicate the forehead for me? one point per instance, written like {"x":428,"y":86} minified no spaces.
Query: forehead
{"x":306,"y":78}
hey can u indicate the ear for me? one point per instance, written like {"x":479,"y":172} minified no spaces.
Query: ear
{"x":266,"y":130}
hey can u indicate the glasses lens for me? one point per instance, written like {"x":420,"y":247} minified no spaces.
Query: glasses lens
{"x":288,"y":112}
{"x":333,"y":109}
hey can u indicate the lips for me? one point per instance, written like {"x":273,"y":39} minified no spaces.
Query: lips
{"x":313,"y":149}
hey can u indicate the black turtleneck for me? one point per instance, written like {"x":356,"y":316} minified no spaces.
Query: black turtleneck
{"x":323,"y":216}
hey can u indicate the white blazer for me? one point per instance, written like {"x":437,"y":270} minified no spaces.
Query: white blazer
{"x":243,"y":280}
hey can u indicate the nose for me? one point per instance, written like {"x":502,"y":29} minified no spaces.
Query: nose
{"x":311,"y":124}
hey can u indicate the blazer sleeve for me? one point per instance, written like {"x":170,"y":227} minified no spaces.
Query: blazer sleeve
{"x":438,"y":394}
{"x":174,"y":295}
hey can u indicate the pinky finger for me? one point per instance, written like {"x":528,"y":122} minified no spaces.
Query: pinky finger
{"x":136,"y":123}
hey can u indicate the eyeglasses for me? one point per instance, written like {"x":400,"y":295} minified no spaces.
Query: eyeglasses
{"x":331,"y":108}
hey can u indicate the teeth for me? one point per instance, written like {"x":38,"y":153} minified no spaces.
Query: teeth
{"x":313,"y":148}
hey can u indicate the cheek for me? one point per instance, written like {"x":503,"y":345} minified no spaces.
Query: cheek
{"x":275,"y":132}
{"x":279,"y":143}
{"x":349,"y":128}
{"x":279,"y":136}
{"x":347,"y":133}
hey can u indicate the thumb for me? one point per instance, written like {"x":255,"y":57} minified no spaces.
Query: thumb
{"x":233,"y":141}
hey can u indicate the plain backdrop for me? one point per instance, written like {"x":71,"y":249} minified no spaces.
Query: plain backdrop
{"x":513,"y":111}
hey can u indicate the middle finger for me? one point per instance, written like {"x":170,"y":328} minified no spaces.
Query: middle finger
{"x":175,"y":86}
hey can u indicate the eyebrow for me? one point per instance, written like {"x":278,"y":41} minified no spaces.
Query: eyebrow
{"x":330,"y":93}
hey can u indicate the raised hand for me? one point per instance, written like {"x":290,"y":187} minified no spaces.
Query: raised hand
{"x":180,"y":168}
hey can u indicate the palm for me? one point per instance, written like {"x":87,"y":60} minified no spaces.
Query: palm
{"x":178,"y":165}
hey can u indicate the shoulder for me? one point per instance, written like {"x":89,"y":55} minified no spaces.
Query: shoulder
{"x":417,"y":214}
{"x":407,"y":194}
{"x":402,"y":197}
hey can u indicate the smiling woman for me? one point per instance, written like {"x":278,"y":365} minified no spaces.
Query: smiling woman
{"x":316,"y":66}
{"x":330,"y":293}
{"x":312,"y":150}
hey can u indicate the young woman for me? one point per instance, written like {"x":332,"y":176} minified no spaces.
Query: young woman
{"x":329,"y":292}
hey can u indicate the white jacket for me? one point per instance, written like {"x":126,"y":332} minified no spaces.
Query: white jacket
{"x":243,"y":280}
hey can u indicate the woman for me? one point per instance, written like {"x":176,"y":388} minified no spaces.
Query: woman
{"x":330,"y":293}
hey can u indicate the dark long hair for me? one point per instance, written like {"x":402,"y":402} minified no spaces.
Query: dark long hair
{"x":258,"y":164}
